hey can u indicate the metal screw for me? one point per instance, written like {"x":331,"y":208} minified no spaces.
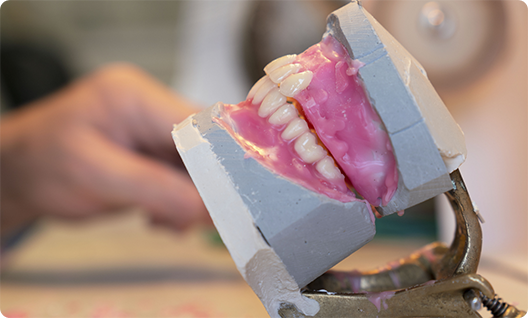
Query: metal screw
{"x":473,"y":300}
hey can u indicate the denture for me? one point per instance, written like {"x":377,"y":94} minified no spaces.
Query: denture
{"x":309,"y":120}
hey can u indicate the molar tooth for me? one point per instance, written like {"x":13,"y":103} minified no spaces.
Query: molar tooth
{"x":327,"y":168}
{"x":263,"y":90}
{"x":308,"y":149}
{"x":278,"y":62}
{"x":294,"y":129}
{"x":271,"y":102}
{"x":255,"y":87}
{"x":282,"y":72}
{"x":295,"y":83}
{"x":283,"y":115}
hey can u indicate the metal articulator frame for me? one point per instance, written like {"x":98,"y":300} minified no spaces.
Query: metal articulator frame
{"x":435,"y":281}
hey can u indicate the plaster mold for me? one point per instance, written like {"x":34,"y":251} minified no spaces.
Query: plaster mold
{"x":428,"y":144}
{"x":281,"y":235}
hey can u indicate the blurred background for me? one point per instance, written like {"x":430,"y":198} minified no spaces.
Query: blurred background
{"x":475,"y":53}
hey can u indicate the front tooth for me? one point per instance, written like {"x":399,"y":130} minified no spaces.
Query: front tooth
{"x":263,"y":90}
{"x":294,"y":129}
{"x":278,"y":62}
{"x":282,"y":72}
{"x":271,"y":102}
{"x":255,"y":87}
{"x":308,"y":149}
{"x":283,"y":115}
{"x":327,"y":168}
{"x":295,"y":83}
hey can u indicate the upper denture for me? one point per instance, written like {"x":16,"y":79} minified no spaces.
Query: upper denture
{"x":295,"y":83}
{"x":279,"y":62}
{"x":282,"y":72}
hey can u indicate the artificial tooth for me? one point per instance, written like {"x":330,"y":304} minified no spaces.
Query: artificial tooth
{"x":255,"y":87}
{"x":308,"y":149}
{"x":282,"y":72}
{"x":263,"y":90}
{"x":283,"y":115}
{"x":295,"y":83}
{"x":327,"y":168}
{"x":294,"y":129}
{"x":281,"y":61}
{"x":271,"y":102}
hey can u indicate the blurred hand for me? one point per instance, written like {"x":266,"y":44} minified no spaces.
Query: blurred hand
{"x":100,"y":145}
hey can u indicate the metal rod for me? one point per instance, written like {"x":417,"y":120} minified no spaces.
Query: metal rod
{"x":464,"y":254}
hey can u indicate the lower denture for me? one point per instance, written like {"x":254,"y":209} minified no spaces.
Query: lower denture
{"x":323,"y":81}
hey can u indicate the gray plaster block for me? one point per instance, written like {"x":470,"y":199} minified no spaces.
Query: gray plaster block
{"x":389,"y":96}
{"x":329,"y":230}
{"x":427,"y":142}
{"x":422,"y":173}
{"x":308,"y":231}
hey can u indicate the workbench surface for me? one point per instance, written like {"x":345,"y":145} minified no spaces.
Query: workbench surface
{"x":122,"y":267}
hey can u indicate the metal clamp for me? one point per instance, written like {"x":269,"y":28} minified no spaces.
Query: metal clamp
{"x":434,"y":281}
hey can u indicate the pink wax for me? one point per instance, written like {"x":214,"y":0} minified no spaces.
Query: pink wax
{"x":336,"y":106}
{"x":263,"y":142}
{"x":380,"y":298}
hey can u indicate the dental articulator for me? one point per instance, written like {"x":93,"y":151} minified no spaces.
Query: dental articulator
{"x":291,"y":177}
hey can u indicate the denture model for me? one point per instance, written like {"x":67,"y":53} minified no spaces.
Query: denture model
{"x":290,"y":175}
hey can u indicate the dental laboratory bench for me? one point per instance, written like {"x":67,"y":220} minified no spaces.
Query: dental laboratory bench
{"x":121,"y":267}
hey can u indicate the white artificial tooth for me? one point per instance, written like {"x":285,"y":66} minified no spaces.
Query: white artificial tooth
{"x":294,"y":129}
{"x":255,"y":87}
{"x":327,"y":168}
{"x":308,"y":149}
{"x":263,"y":90}
{"x":271,"y":102}
{"x":282,"y":72}
{"x":295,"y":83}
{"x":283,"y":115}
{"x":278,"y":62}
